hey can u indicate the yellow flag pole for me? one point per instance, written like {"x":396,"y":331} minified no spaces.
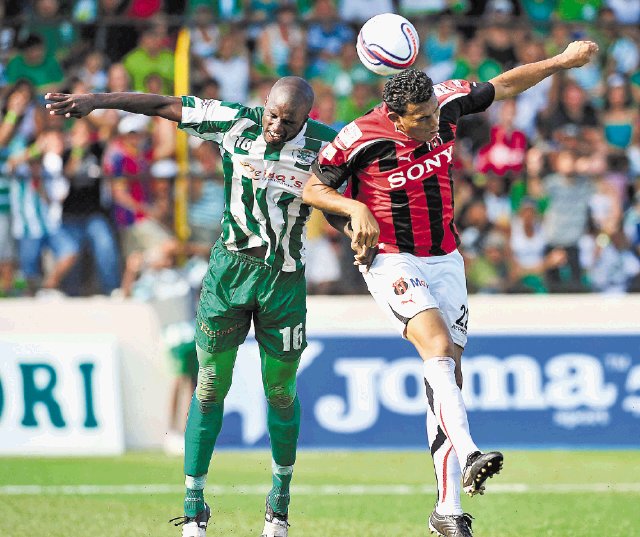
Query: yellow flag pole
{"x":181,"y":87}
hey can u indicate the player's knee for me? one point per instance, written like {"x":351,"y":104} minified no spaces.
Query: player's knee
{"x":281,"y":396}
{"x":211,"y":389}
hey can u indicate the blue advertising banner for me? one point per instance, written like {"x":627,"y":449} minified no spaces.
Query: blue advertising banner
{"x":520,"y":391}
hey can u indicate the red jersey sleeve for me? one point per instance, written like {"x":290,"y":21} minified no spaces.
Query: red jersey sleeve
{"x":458,"y":98}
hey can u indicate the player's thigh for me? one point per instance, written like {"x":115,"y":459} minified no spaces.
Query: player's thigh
{"x":398,"y":286}
{"x":448,"y":286}
{"x":226,"y":300}
{"x":280,"y":321}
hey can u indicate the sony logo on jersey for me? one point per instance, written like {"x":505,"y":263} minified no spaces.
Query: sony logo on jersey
{"x":420,"y":170}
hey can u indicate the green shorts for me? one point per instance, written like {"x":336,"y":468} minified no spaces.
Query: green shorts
{"x":238,"y":288}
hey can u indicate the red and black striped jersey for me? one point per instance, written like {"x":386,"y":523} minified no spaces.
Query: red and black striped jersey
{"x":405,"y":183}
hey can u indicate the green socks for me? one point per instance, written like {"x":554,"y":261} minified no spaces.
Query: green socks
{"x":279,"y":494}
{"x":194,"y":496}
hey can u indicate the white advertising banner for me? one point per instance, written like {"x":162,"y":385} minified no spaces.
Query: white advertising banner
{"x":60,"y":395}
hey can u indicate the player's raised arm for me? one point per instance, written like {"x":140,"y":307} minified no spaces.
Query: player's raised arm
{"x":81,"y":104}
{"x":365,"y":229}
{"x":516,"y":80}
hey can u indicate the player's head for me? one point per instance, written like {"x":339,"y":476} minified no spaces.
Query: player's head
{"x":286,"y":109}
{"x":413,"y":106}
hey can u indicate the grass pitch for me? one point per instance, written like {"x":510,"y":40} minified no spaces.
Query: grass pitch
{"x":345,"y":494}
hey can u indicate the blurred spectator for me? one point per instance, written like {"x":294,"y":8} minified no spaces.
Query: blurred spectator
{"x":326,"y":34}
{"x":230,"y":68}
{"x":418,"y":8}
{"x":620,"y":117}
{"x":624,"y":52}
{"x":325,"y":110}
{"x":476,"y":227}
{"x":144,"y":9}
{"x":224,"y":10}
{"x":116,"y":36}
{"x":529,"y":256}
{"x":626,"y":11}
{"x":530,"y":103}
{"x":487,"y":273}
{"x":505,"y":152}
{"x":473,"y":64}
{"x":37,"y":190}
{"x":440,"y":47}
{"x":13,"y":111}
{"x":33,"y":64}
{"x":584,"y":10}
{"x":150,"y":56}
{"x":631,"y":224}
{"x":49,"y":22}
{"x":539,"y":11}
{"x":566,"y":219}
{"x":277,"y":40}
{"x":84,"y":210}
{"x":573,"y":108}
{"x":342,"y":73}
{"x":499,"y":45}
{"x":298,"y":65}
{"x":323,"y":271}
{"x":497,"y":201}
{"x":359,"y":11}
{"x":615,"y":267}
{"x":361,"y":100}
{"x":205,"y":33}
{"x":163,"y":131}
{"x":93,"y":71}
{"x":206,"y":196}
{"x":126,"y":162}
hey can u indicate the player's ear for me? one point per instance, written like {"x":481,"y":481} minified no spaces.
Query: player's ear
{"x":394,"y":117}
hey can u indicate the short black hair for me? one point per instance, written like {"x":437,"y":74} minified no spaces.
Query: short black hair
{"x":408,"y":86}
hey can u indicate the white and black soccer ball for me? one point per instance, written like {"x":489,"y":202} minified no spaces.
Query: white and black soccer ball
{"x":387,"y":44}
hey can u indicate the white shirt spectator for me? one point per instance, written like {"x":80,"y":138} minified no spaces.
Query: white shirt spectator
{"x":362,"y":10}
{"x":232,"y":75}
{"x":626,"y":11}
{"x":527,"y":251}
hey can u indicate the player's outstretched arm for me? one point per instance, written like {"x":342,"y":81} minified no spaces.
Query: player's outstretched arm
{"x":365,"y":229}
{"x":515,"y":81}
{"x":80,"y":104}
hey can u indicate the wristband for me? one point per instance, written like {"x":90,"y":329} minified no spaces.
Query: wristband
{"x":34,"y":151}
{"x":10,"y":117}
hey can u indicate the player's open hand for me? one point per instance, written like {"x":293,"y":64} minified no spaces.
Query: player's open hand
{"x":578,"y":53}
{"x":70,"y":105}
{"x":365,"y":229}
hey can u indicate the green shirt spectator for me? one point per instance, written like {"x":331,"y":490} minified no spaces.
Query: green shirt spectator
{"x":357,"y":104}
{"x":34,"y":65}
{"x":539,"y":10}
{"x":150,"y":58}
{"x":472,"y":63}
{"x":584,"y":10}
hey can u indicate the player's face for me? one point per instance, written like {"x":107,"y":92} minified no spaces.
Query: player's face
{"x":282,"y":121}
{"x":420,"y":121}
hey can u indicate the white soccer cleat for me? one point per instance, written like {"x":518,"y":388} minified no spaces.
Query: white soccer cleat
{"x":275,"y":524}
{"x":194,"y":526}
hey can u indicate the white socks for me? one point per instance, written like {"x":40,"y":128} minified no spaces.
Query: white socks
{"x":448,"y":406}
{"x":447,"y":467}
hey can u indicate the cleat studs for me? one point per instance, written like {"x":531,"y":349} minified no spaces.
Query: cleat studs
{"x":484,"y":470}
{"x":489,"y":463}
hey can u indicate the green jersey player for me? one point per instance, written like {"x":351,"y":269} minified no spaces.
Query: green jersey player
{"x":256,"y":269}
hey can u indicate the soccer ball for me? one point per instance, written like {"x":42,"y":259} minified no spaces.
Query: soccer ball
{"x":387,"y":44}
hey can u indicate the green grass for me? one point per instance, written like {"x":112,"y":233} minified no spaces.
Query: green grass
{"x":545,"y":512}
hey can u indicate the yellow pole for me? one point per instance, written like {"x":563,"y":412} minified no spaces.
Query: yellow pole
{"x":181,"y":87}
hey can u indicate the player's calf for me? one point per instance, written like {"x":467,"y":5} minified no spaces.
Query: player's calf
{"x":479,"y":468}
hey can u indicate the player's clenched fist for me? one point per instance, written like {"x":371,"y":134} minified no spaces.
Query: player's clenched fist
{"x":64,"y":104}
{"x":365,"y":228}
{"x":578,"y":53}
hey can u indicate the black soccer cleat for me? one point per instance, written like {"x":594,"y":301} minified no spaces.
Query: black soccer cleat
{"x":194,"y":526}
{"x":479,"y":467}
{"x":451,"y":525}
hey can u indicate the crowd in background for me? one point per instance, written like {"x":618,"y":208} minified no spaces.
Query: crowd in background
{"x":547,"y":186}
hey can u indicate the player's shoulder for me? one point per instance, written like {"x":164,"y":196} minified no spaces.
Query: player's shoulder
{"x":451,"y":89}
{"x":372,"y":126}
{"x":319,"y":131}
{"x":230,"y":110}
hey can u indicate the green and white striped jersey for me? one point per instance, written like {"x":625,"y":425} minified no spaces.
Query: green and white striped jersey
{"x":263,"y":183}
